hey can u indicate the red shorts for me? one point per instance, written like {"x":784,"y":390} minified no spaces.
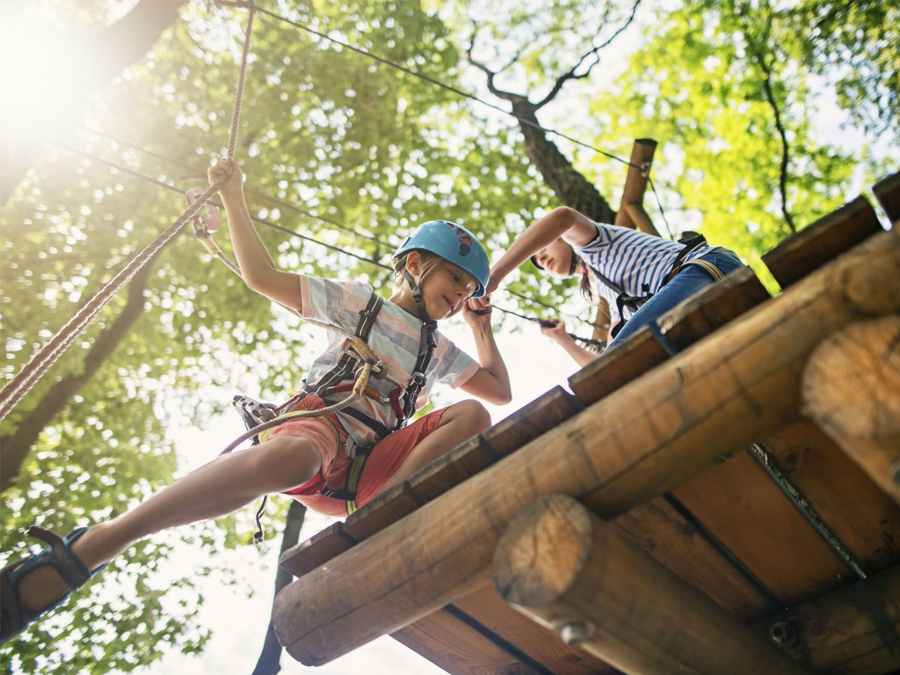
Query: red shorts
{"x":329,"y":437}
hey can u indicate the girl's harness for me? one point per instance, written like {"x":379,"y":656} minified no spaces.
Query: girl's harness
{"x":634,"y":302}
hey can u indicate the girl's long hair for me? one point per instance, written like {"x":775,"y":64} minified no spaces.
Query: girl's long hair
{"x":586,"y":283}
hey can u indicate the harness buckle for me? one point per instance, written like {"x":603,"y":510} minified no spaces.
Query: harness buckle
{"x":419,"y":379}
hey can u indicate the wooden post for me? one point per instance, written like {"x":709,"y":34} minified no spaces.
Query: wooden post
{"x":631,"y":212}
{"x":568,"y":570}
{"x":851,"y":388}
{"x":738,"y":385}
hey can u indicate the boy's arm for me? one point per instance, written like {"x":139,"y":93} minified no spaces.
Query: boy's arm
{"x":257,"y":267}
{"x":491,"y":381}
{"x":575,"y":229}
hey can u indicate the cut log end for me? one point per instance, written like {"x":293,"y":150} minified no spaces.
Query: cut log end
{"x":851,"y":385}
{"x":543,"y":551}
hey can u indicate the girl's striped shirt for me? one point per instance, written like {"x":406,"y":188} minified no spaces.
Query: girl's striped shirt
{"x":634,"y":261}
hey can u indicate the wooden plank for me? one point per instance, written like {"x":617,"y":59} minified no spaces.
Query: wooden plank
{"x":712,"y":308}
{"x":684,"y":325}
{"x":523,"y":426}
{"x":315,"y":551}
{"x":658,"y":529}
{"x":386,"y":509}
{"x":739,"y":385}
{"x":452,"y":469}
{"x":635,"y":356}
{"x":540,"y":643}
{"x":851,"y":631}
{"x":821,"y":242}
{"x":747,"y":511}
{"x":459,"y":648}
{"x":565,"y":567}
{"x":887,"y":191}
{"x":865,"y":520}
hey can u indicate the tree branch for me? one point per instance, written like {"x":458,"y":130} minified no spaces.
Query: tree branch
{"x":570,"y":75}
{"x":758,"y":56}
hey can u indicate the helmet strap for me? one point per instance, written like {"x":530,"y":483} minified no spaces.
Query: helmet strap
{"x":417,"y":294}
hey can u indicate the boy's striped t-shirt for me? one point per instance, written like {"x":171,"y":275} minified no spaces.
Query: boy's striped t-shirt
{"x":631,"y":260}
{"x":394,"y":339}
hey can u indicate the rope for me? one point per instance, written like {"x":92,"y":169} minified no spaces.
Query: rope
{"x":22,"y":383}
{"x":255,"y":193}
{"x":426,"y":78}
{"x":547,"y":324}
{"x":239,"y":95}
{"x":261,"y":221}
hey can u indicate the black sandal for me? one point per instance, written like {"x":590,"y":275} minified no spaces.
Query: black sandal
{"x":14,"y":616}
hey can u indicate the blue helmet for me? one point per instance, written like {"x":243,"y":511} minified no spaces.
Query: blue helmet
{"x":454,"y":244}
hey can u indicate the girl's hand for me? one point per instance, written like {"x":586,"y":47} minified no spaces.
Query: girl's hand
{"x":477,"y":312}
{"x":227,"y":167}
{"x":555,"y":329}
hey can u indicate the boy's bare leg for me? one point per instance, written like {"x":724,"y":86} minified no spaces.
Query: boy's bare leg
{"x":215,"y":489}
{"x":459,"y":423}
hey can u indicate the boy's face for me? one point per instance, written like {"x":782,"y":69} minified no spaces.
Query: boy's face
{"x":445,"y":289}
{"x":556,"y":259}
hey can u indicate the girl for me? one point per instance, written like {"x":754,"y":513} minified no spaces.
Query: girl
{"x":332,"y":463}
{"x":641,"y":276}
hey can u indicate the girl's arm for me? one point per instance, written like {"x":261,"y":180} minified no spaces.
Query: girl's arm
{"x":257,"y":266}
{"x":558,"y":333}
{"x":491,"y":381}
{"x":574,"y":228}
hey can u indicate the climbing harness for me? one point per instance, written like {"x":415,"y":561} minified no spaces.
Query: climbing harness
{"x":635,"y":302}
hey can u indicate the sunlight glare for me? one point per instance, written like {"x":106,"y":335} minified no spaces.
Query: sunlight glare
{"x":44,"y":75}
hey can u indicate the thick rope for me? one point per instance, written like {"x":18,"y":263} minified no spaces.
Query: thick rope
{"x":22,"y":383}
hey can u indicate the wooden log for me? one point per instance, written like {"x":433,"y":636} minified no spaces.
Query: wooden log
{"x":316,"y":551}
{"x":888,"y":193}
{"x":851,"y":388}
{"x":821,"y":242}
{"x":567,"y":569}
{"x":635,"y":186}
{"x":851,"y":631}
{"x":740,"y":384}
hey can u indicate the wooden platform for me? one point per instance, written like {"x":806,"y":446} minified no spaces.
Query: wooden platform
{"x":785,"y":533}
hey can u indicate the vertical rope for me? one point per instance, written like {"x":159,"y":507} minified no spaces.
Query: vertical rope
{"x":239,"y":94}
{"x":22,"y":383}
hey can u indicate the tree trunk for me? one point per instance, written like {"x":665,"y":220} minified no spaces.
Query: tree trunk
{"x":105,"y":56}
{"x":15,"y":446}
{"x":571,"y":187}
{"x":270,"y":659}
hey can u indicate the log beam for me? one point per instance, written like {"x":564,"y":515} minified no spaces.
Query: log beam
{"x":631,"y":213}
{"x":739,"y":384}
{"x":851,"y":388}
{"x":568,"y":570}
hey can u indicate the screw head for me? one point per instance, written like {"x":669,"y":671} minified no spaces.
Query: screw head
{"x":574,"y":632}
{"x":894,"y":472}
{"x":783,"y":634}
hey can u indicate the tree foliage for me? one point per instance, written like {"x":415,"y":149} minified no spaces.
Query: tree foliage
{"x":333,"y":138}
